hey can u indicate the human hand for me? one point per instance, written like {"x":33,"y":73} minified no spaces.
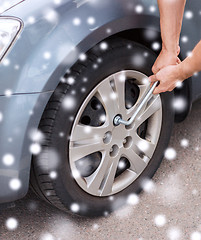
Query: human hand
{"x":168,"y":77}
{"x":166,"y":58}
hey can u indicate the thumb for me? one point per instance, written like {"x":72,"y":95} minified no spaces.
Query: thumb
{"x":153,"y":78}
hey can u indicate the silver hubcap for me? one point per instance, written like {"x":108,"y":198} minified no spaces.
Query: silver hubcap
{"x":123,"y":152}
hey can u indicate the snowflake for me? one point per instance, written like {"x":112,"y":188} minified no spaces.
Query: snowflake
{"x":70,"y":80}
{"x":188,"y":14}
{"x":184,"y":39}
{"x":91,"y":20}
{"x":156,"y":46}
{"x":160,"y":220}
{"x":11,"y":223}
{"x":184,"y":143}
{"x":139,"y":9}
{"x":47,"y":236}
{"x":53,"y":175}
{"x":8,"y":159}
{"x":174,"y":233}
{"x":69,"y":103}
{"x":148,"y":185}
{"x":47,"y":55}
{"x":15,"y":184}
{"x":76,"y":21}
{"x":35,"y":148}
{"x":196,"y":236}
{"x":83,"y":57}
{"x":8,"y":92}
{"x":179,"y":104}
{"x":51,"y":15}
{"x":170,"y":153}
{"x":103,"y":46}
{"x":75,"y":207}
{"x":1,"y":116}
{"x":133,"y":199}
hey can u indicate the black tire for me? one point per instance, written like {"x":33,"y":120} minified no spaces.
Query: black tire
{"x":63,"y":191}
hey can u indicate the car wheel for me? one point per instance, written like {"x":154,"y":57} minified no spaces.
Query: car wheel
{"x":87,"y":164}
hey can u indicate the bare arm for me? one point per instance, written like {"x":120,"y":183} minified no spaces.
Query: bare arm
{"x":171,"y":15}
{"x":171,"y":75}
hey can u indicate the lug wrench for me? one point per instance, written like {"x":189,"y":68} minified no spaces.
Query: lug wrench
{"x":118,"y":120}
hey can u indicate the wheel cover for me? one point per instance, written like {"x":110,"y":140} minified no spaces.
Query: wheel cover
{"x":118,"y":147}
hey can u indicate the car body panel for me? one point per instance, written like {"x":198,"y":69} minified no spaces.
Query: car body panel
{"x":49,"y":45}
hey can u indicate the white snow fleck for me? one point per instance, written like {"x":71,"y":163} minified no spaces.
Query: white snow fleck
{"x":15,"y":184}
{"x":1,"y":116}
{"x":133,"y":199}
{"x":76,"y":21}
{"x":51,"y":16}
{"x":138,"y":60}
{"x":91,"y":20}
{"x":160,"y":220}
{"x":121,"y":164}
{"x":174,"y":233}
{"x":47,"y":236}
{"x":17,"y":67}
{"x":36,"y":135}
{"x":152,"y":8}
{"x":196,"y":236}
{"x":35,"y":148}
{"x":57,"y":2}
{"x":179,"y":84}
{"x":195,"y":192}
{"x":70,"y":80}
{"x":139,"y":9}
{"x":47,"y":55}
{"x":61,"y":134}
{"x":189,"y":54}
{"x":6,"y":62}
{"x":188,"y":14}
{"x":69,"y":103}
{"x":75,"y":207}
{"x":103,"y":46}
{"x":31,"y":20}
{"x":184,"y":142}
{"x":148,"y":185}
{"x":170,"y":153}
{"x":83,"y":57}
{"x":156,"y":46}
{"x":8,"y":92}
{"x":53,"y":174}
{"x":8,"y":159}
{"x":184,"y":39}
{"x":11,"y":223}
{"x":108,"y":30}
{"x":143,"y":145}
{"x":95,"y":226}
{"x":179,"y":103}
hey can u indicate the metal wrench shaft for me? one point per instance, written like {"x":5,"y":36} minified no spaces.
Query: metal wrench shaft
{"x":118,"y":120}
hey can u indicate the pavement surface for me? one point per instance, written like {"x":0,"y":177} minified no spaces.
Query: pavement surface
{"x":169,"y":208}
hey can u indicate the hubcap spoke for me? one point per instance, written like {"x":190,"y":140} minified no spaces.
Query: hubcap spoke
{"x":79,"y":151}
{"x":136,"y":162}
{"x":143,"y":145}
{"x":108,"y":98}
{"x":102,"y":179}
{"x":153,"y":106}
{"x":83,"y":132}
{"x":119,"y":80}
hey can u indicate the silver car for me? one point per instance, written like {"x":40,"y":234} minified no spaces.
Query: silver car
{"x":68,"y":68}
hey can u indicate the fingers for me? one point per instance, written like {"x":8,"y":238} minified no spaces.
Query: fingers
{"x":178,"y":61}
{"x":153,"y":78}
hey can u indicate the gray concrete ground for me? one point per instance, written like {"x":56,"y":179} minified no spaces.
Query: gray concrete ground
{"x":171,"y":209}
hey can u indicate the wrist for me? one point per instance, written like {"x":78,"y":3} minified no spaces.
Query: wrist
{"x":182,"y":71}
{"x":174,"y":50}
